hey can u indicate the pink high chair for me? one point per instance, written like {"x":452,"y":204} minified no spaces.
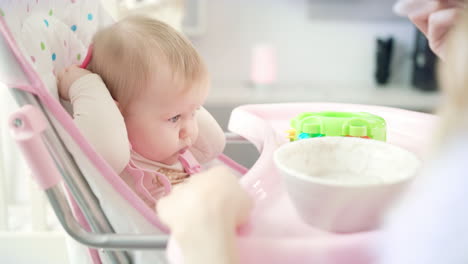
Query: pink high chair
{"x":88,"y":197}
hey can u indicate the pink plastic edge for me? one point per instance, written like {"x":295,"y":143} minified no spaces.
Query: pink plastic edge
{"x":232,"y":164}
{"x":87,"y":59}
{"x":84,"y":223}
{"x":28,"y":137}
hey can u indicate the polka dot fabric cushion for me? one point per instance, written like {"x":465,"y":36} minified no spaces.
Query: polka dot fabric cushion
{"x":53,"y":34}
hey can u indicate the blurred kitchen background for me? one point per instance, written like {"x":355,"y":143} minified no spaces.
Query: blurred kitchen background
{"x":272,"y":51}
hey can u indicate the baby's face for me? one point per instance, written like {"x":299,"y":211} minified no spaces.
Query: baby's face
{"x":161,"y":122}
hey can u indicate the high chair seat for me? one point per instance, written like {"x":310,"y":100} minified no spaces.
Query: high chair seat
{"x":38,"y":39}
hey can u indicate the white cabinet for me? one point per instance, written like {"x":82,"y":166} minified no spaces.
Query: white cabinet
{"x":352,"y":9}
{"x":194,"y":21}
{"x":187,"y":16}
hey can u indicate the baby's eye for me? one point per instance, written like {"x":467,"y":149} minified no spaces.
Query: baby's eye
{"x":174,"y":119}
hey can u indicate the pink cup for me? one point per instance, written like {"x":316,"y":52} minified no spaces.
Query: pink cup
{"x":263,"y":71}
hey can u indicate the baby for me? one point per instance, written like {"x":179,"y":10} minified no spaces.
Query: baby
{"x":139,"y":103}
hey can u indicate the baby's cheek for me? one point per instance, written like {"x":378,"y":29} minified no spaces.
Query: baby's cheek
{"x":169,"y":140}
{"x":167,"y":144}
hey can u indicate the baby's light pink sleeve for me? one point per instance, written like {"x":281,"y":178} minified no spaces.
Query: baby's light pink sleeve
{"x":211,"y":140}
{"x":99,"y":119}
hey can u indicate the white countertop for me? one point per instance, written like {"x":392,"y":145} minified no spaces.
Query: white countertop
{"x":392,"y":95}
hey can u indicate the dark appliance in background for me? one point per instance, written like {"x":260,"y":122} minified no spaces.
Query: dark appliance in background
{"x":424,"y":64}
{"x":383,"y":62}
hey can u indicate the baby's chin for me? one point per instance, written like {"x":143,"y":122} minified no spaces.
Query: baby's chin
{"x":175,"y":157}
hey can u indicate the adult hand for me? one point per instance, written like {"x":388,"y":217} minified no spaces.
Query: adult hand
{"x":203,"y":214}
{"x":434,"y":18}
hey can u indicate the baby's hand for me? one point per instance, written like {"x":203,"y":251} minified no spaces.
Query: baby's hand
{"x":67,"y":77}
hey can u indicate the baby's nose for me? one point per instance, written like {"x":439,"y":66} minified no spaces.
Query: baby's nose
{"x":189,"y":130}
{"x":186,"y":137}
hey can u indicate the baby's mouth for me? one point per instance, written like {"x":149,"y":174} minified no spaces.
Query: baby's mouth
{"x":188,"y":142}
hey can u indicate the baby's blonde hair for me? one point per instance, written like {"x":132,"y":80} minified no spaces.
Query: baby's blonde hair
{"x":453,"y":76}
{"x":131,"y":52}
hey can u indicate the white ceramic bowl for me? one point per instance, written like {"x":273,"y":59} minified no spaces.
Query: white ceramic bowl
{"x":344,"y":184}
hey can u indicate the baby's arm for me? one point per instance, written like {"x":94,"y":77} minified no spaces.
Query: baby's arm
{"x":96,"y":115}
{"x":211,"y":140}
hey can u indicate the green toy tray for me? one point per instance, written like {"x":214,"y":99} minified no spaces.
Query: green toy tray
{"x":320,"y":124}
